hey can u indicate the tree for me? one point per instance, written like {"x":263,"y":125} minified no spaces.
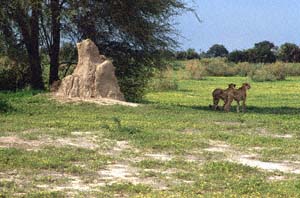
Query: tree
{"x":25,"y":15}
{"x":130,"y":32}
{"x":262,"y":53}
{"x":192,"y":54}
{"x":217,"y":51}
{"x":47,"y":29}
{"x":237,"y":56}
{"x":251,"y":55}
{"x":289,"y":52}
{"x":50,"y":30}
{"x":264,"y":45}
{"x":181,"y":55}
{"x":2,"y":44}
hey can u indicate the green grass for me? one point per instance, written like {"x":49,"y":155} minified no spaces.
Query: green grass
{"x":178,"y":123}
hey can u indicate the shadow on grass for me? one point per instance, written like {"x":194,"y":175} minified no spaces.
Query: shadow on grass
{"x":21,"y":96}
{"x":257,"y":110}
{"x":250,"y":109}
{"x":274,"y":110}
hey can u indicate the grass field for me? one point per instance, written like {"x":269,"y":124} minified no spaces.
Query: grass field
{"x":172,"y":145}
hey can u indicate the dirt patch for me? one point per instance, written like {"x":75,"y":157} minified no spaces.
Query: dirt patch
{"x":218,"y":146}
{"x":50,"y":181}
{"x":98,"y":101}
{"x":251,"y":160}
{"x":117,"y":148}
{"x":81,"y":142}
{"x":11,"y":176}
{"x":75,"y":184}
{"x":81,"y":133}
{"x":288,"y":136}
{"x":277,"y":178}
{"x":159,"y":156}
{"x":119,"y":172}
{"x":122,"y":172}
{"x":192,"y":158}
{"x":256,"y":148}
{"x":229,"y":123}
{"x":265,"y":132}
{"x":16,"y":142}
{"x":120,"y":146}
{"x":169,"y":171}
{"x":71,"y":183}
{"x":190,"y":131}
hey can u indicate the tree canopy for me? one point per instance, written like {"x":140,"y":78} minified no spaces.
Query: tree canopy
{"x":262,"y":52}
{"x":130,"y":32}
{"x":217,"y":51}
{"x":289,"y":52}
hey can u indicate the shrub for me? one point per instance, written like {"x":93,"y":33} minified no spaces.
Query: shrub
{"x":163,"y":84}
{"x":8,"y":79}
{"x":163,"y":80}
{"x":218,"y":67}
{"x":176,"y":65}
{"x":278,"y":69}
{"x":198,"y":69}
{"x":12,"y":74}
{"x":262,"y":75}
{"x":134,"y":81}
{"x":245,"y":68}
{"x":270,"y":72}
{"x":5,"y":106}
{"x":195,"y":70}
{"x":292,"y":69}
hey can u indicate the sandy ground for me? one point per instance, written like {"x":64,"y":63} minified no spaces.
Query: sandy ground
{"x":99,"y":101}
{"x":121,"y":169}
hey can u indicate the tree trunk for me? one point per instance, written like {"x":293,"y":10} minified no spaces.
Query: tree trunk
{"x":29,"y":27}
{"x":54,"y":50}
{"x":35,"y":59}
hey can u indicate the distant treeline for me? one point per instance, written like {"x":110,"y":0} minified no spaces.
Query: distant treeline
{"x":262,"y":52}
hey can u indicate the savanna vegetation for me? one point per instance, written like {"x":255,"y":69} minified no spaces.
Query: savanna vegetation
{"x":262,"y":52}
{"x":201,"y":69}
{"x":172,"y":145}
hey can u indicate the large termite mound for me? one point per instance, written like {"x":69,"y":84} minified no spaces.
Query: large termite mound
{"x":93,"y":77}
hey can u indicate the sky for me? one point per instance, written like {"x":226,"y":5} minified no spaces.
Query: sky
{"x":238,"y":24}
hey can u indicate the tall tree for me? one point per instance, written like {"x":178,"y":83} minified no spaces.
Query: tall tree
{"x":289,"y":52}
{"x":192,"y":54}
{"x":130,"y":32}
{"x":51,"y":29}
{"x":262,"y":53}
{"x":237,"y":56}
{"x":217,"y":51}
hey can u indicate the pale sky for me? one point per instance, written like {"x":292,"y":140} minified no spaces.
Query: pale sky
{"x":238,"y":24}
